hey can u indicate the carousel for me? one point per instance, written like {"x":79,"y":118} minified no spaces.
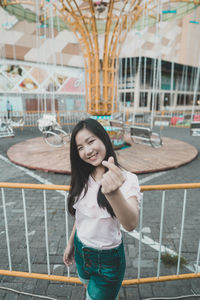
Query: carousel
{"x":101,"y":29}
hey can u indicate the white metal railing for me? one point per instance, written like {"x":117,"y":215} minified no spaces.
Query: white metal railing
{"x":31,"y":117}
{"x":176,"y":118}
{"x":46,"y":202}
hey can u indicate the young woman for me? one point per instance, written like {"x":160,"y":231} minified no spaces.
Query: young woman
{"x":102,"y":196}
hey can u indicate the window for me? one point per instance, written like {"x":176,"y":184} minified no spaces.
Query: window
{"x":156,"y":98}
{"x":183,"y":99}
{"x":127,"y":97}
{"x":167,"y":98}
{"x":143,"y":99}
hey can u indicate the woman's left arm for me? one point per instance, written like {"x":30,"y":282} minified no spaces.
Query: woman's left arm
{"x":126,"y":210}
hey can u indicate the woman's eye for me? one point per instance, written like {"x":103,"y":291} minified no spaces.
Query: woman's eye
{"x":91,"y":141}
{"x":80,"y":148}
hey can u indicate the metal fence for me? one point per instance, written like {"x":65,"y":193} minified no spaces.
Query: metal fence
{"x":34,"y":229}
{"x":164,"y":118}
{"x":31,"y":117}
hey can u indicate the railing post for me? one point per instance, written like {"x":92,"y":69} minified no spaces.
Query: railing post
{"x":140,"y":237}
{"x":26,"y":231}
{"x":6,"y":228}
{"x":198,"y":257}
{"x":182,"y":229}
{"x":161,"y":232}
{"x":46,"y":231}
{"x":66,"y":228}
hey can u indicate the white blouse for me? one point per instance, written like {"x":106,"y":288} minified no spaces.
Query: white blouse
{"x":95,"y":226}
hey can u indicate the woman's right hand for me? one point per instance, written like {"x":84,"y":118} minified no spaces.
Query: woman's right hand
{"x":68,"y":256}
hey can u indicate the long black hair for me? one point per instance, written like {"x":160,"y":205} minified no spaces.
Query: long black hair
{"x":81,"y":170}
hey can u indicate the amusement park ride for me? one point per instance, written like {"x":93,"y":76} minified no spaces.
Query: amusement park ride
{"x":90,"y":21}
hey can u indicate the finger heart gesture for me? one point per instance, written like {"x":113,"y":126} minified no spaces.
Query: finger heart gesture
{"x":113,"y":178}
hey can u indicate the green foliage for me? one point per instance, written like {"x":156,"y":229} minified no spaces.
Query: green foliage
{"x":172,"y":260}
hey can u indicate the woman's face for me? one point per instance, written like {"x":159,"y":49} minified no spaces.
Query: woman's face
{"x":90,"y":148}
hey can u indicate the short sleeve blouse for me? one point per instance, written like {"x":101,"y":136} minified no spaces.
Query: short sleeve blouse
{"x":95,"y":226}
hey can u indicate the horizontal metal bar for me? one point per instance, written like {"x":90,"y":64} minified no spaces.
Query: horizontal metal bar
{"x":40,"y":276}
{"x":160,"y":279}
{"x":77,"y":280}
{"x":34,"y":186}
{"x":55,"y":187}
{"x":170,"y":186}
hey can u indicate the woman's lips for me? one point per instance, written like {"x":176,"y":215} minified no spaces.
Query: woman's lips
{"x":93,"y":157}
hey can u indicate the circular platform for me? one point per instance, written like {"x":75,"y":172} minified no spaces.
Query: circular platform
{"x":36,"y":154}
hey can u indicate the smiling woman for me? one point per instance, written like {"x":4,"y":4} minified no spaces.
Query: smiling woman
{"x":102,"y":196}
{"x":91,"y":149}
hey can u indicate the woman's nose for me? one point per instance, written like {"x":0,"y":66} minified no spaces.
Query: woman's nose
{"x":88,"y":150}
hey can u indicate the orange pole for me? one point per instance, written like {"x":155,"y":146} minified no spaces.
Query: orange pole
{"x":77,"y":280}
{"x":177,"y":186}
{"x":58,"y":116}
{"x":34,"y":186}
{"x":40,"y":276}
{"x":96,"y":62}
{"x":105,"y":55}
{"x":160,"y":279}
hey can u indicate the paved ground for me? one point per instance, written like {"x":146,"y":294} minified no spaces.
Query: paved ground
{"x":55,"y":207}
